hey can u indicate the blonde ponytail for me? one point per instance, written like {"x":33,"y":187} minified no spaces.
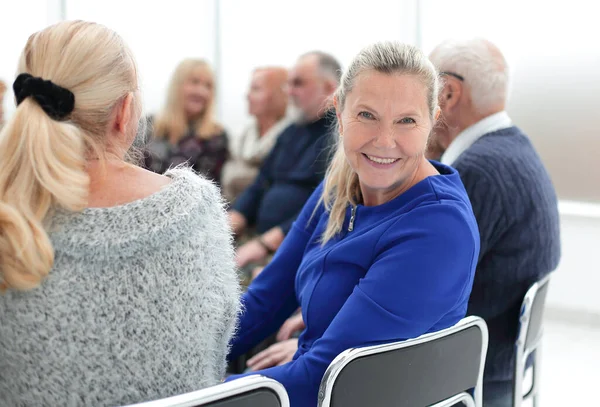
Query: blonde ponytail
{"x":43,"y":160}
{"x":42,"y":165}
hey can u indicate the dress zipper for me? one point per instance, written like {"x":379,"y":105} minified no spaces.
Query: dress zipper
{"x":352,"y":218}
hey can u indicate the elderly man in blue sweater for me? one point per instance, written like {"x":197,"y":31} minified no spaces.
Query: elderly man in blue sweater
{"x":511,"y":193}
{"x":297,"y":163}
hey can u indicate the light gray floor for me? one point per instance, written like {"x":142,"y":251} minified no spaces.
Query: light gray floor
{"x":570,"y":365}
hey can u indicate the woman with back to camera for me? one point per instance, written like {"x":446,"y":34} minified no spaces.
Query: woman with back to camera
{"x":118,"y":284}
{"x":386,"y":247}
{"x":185,"y":131}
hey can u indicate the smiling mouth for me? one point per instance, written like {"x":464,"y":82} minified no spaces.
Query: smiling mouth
{"x":380,"y":160}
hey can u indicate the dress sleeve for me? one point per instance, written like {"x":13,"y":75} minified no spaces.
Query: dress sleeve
{"x":271,"y":297}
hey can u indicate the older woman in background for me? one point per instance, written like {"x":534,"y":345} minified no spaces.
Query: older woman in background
{"x":267,"y":104}
{"x":386,"y":247}
{"x":185,"y":131}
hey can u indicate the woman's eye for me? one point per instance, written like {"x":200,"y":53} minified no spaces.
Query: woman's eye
{"x":366,"y":115}
{"x":408,"y":120}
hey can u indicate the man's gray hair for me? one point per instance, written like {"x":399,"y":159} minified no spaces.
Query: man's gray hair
{"x":328,"y":65}
{"x":482,"y":66}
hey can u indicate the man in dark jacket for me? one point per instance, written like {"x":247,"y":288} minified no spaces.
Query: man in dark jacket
{"x":295,"y":166}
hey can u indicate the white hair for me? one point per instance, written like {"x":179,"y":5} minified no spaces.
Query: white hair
{"x":329,"y":67}
{"x":482,"y":66}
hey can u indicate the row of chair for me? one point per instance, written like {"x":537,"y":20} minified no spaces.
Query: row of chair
{"x":440,"y":369}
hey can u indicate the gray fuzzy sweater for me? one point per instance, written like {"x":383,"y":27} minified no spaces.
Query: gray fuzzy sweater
{"x":141,"y":304}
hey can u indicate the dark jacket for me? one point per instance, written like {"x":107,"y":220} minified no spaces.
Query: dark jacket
{"x":288,"y":176}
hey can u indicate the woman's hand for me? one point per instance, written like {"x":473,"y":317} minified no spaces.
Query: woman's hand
{"x":250,"y":252}
{"x":275,"y":355}
{"x":237,"y":221}
{"x":293,"y":324}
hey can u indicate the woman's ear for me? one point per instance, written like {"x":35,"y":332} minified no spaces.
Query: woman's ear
{"x":124,"y":114}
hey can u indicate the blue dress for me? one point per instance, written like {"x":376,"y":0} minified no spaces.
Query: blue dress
{"x":396,"y":271}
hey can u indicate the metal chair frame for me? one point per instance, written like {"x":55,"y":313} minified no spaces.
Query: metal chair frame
{"x":222,"y":391}
{"x":523,"y":351}
{"x":343,"y":359}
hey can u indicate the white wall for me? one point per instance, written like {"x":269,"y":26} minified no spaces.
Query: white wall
{"x":160,"y":33}
{"x":242,"y":35}
{"x":272,"y":32}
{"x":575,"y":285}
{"x":552,"y":51}
{"x":18,"y":20}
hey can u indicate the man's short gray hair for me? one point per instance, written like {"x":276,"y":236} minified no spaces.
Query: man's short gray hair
{"x":483,"y":67}
{"x":329,"y":66}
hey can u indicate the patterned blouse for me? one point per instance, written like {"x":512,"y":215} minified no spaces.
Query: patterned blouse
{"x":206,"y":156}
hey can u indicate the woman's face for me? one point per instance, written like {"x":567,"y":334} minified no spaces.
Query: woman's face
{"x":384,"y":124}
{"x":197,"y":92}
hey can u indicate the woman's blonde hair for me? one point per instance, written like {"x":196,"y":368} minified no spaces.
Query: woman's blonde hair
{"x":173,"y":122}
{"x":44,"y":160}
{"x":2,"y":92}
{"x":341,"y":181}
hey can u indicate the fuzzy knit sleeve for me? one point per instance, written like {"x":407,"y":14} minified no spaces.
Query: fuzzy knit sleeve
{"x":218,"y":300}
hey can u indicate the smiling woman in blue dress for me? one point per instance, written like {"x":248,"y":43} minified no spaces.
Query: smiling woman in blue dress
{"x":386,"y":247}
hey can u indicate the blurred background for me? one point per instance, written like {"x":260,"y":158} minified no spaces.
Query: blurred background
{"x":551,"y":48}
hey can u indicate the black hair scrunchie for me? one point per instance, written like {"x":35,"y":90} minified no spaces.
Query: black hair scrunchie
{"x":56,"y":101}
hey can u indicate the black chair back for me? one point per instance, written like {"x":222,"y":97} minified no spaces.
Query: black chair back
{"x":414,"y":373}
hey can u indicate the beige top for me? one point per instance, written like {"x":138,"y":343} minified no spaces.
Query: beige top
{"x":248,"y":152}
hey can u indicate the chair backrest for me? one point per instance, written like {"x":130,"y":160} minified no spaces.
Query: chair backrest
{"x":529,"y":337}
{"x":250,"y":391}
{"x":414,"y":373}
{"x":532,"y":314}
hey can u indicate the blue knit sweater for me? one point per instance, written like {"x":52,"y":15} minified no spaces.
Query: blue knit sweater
{"x":405,"y":268}
{"x":516,"y":209}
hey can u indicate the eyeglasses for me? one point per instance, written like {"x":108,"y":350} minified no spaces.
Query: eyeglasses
{"x":457,"y":76}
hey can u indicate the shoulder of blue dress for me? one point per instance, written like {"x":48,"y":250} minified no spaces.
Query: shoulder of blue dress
{"x":443,"y":169}
{"x":447,"y":185}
